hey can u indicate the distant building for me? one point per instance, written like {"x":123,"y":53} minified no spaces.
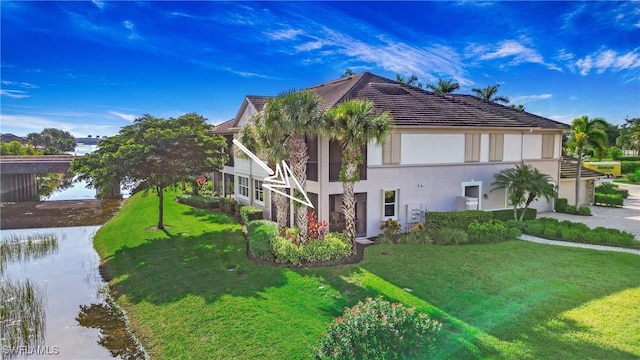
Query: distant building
{"x":7,"y":138}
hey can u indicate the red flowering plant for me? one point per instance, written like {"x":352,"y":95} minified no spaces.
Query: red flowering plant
{"x":316,"y":230}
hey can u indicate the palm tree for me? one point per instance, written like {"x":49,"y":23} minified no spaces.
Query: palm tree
{"x":411,"y":80}
{"x":444,"y":86}
{"x":489,"y":94}
{"x":524,"y":184}
{"x":354,"y":123}
{"x":585,"y":133}
{"x":518,"y":107}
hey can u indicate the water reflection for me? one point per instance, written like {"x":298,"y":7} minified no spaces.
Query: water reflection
{"x":68,"y":280}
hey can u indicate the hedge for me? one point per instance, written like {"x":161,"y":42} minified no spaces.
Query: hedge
{"x":609,"y":199}
{"x":561,"y":205}
{"x":629,"y":158}
{"x":507,"y":214}
{"x":228,"y":205}
{"x":628,"y":167}
{"x":250,"y":213}
{"x":261,"y":234}
{"x":577,"y":232}
{"x":611,"y":188}
{"x":455,"y":220}
{"x":201,"y":202}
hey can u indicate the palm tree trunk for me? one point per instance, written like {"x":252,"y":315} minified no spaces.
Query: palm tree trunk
{"x":578,"y":178}
{"x":299,"y":158}
{"x":282,"y":216}
{"x":160,"y":191}
{"x":349,"y":203}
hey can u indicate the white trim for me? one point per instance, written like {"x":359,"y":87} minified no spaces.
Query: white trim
{"x":396,"y":204}
{"x":466,"y":184}
{"x":253,"y":193}
{"x":247,"y":197}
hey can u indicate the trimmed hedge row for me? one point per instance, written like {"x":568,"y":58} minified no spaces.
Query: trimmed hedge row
{"x":250,"y":213}
{"x":260,"y":234}
{"x":629,"y":167}
{"x":507,"y":214}
{"x":562,"y":206}
{"x":229,"y":205}
{"x":201,"y":202}
{"x":609,"y":199}
{"x":455,"y":220}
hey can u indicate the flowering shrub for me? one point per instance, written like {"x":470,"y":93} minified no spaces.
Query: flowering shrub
{"x":377,"y":329}
{"x":316,"y":230}
{"x":334,"y":246}
{"x":292,"y":234}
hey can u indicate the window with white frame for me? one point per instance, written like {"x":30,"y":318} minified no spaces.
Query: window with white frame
{"x":258,"y":192}
{"x":243,"y":186}
{"x":390,"y":204}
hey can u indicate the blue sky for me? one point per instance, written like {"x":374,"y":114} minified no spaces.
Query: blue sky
{"x":91,"y":67}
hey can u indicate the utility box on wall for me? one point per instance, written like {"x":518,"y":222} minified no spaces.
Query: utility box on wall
{"x":414,"y":214}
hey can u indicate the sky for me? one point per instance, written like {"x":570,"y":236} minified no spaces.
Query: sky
{"x":91,"y":67}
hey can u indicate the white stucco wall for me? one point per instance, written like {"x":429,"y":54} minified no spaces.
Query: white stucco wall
{"x":484,"y":148}
{"x":568,"y":191}
{"x":432,"y":148}
{"x":532,"y":146}
{"x":374,"y":154}
{"x":513,"y":147}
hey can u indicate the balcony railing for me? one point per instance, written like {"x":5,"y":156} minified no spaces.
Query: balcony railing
{"x":334,"y":171}
{"x":312,"y":171}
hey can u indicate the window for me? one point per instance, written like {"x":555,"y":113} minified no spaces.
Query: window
{"x":496,"y":147}
{"x":471,"y":147}
{"x":258,"y":192}
{"x":391,"y":150}
{"x":390,"y":204}
{"x":548,"y":147}
{"x":243,"y":186}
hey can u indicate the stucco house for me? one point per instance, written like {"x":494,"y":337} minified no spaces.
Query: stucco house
{"x":441,"y":156}
{"x":588,"y":177}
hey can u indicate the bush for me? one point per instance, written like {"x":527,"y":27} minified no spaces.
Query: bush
{"x":415,"y":238}
{"x":489,"y":232}
{"x":201,"y":202}
{"x":612,"y":189}
{"x":391,"y":227}
{"x":561,"y":205}
{"x":446,"y":236}
{"x":578,"y":232}
{"x":455,"y":220}
{"x":629,"y":167}
{"x":507,"y":214}
{"x":377,"y":329}
{"x":285,"y":251}
{"x":629,"y":158}
{"x":228,"y":205}
{"x":261,"y":233}
{"x":316,"y":229}
{"x":334,"y":246}
{"x":608,"y":199}
{"x":635,"y":176}
{"x":584,"y":211}
{"x":250,"y":213}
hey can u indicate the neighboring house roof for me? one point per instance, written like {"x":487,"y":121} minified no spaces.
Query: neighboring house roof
{"x":412,"y":106}
{"x":258,"y":101}
{"x":569,"y":166}
{"x":224,"y":127}
{"x":7,"y":138}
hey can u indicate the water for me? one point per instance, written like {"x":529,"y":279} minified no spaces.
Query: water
{"x":73,"y":290}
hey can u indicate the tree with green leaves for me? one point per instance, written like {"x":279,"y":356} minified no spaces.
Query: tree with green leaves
{"x":629,"y":138}
{"x":524,"y":184}
{"x":354,"y":124}
{"x":489,"y":94}
{"x":518,"y":107}
{"x":411,"y":80}
{"x":586,"y":133}
{"x":16,"y":148}
{"x":348,"y":72}
{"x":444,"y":86}
{"x":53,"y":141}
{"x":155,"y":152}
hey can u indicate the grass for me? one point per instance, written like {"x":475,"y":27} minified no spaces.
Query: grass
{"x":190,"y":292}
{"x":625,"y":181}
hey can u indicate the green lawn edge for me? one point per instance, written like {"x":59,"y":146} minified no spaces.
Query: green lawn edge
{"x":191,"y":293}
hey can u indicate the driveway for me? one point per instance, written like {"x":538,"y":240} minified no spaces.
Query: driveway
{"x":626,"y":218}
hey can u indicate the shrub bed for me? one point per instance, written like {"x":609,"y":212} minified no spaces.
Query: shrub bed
{"x":229,"y":205}
{"x":577,"y":232}
{"x":260,"y":234}
{"x":250,"y":213}
{"x":201,"y":202}
{"x":334,"y":246}
{"x":609,"y":199}
{"x":612,"y":189}
{"x":562,"y":206}
{"x":629,"y":167}
{"x":507,"y":214}
{"x":454,"y":220}
{"x":490,"y":232}
{"x":447,"y":236}
{"x":377,"y":329}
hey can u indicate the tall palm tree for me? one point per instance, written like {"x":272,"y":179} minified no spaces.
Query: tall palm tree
{"x":354,"y":124}
{"x":586,"y":133}
{"x":489,"y":94}
{"x":444,"y":86}
{"x":524,"y":184}
{"x":411,"y":80}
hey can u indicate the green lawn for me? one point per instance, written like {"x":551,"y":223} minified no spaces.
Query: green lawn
{"x":190,"y":292}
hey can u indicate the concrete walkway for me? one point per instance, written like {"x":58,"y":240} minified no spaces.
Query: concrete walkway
{"x":626,"y":218}
{"x":578,"y":245}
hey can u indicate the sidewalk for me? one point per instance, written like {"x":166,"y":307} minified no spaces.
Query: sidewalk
{"x":578,"y":245}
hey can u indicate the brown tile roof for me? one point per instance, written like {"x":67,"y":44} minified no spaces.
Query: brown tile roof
{"x":569,"y":166}
{"x":258,"y":101}
{"x":416,"y":107}
{"x":223,"y":127}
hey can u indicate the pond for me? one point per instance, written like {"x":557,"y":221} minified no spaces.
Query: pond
{"x":79,"y":322}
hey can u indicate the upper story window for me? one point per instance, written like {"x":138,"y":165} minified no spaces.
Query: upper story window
{"x":548,"y":146}
{"x":243,"y":186}
{"x":471,"y":147}
{"x":496,"y":147}
{"x":391,"y":150}
{"x":258,"y":192}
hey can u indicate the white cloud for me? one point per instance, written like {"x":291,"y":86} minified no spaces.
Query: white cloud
{"x":128,"y":117}
{"x":99,"y":4}
{"x":286,"y":34}
{"x":128,"y":24}
{"x":23,"y":124}
{"x":604,"y":60}
{"x":19,"y":84}
{"x":14,"y":94}
{"x":573,"y":98}
{"x":529,"y":98}
{"x":312,"y":45}
{"x":515,"y":50}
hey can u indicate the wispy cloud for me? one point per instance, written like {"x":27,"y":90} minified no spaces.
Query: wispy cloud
{"x":14,"y":94}
{"x":607,"y":59}
{"x":508,"y":49}
{"x":24,"y":85}
{"x":99,"y":4}
{"x":529,"y":98}
{"x":286,"y":34}
{"x":128,"y":117}
{"x":28,"y":123}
